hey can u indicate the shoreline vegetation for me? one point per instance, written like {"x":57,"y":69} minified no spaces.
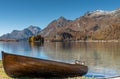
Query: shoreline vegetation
{"x":39,"y":38}
{"x":51,"y":40}
{"x":4,"y":76}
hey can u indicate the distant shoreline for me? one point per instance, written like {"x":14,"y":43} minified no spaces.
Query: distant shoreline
{"x":9,"y":40}
{"x":14,"y":40}
{"x":98,"y":41}
{"x":83,"y":41}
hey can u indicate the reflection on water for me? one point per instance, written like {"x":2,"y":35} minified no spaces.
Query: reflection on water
{"x":101,"y":58}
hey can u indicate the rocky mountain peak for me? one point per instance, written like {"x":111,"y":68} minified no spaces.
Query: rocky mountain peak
{"x":61,"y":18}
{"x":15,"y":31}
{"x":61,"y":21}
{"x":34,"y":29}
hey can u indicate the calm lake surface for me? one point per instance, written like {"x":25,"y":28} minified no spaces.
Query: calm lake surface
{"x":103,"y":59}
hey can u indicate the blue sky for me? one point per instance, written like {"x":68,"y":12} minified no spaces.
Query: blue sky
{"x":19,"y":14}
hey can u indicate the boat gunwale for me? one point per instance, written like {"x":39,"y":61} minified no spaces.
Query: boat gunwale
{"x":41,"y":59}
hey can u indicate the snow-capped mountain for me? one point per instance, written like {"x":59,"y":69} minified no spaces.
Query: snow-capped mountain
{"x":102,"y":12}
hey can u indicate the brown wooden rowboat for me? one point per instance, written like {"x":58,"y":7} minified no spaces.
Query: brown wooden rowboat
{"x":22,"y":66}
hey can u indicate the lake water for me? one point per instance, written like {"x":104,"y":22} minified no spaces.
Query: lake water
{"x":103,"y":59}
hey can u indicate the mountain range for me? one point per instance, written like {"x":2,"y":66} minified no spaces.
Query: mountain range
{"x":21,"y":34}
{"x":93,"y":25}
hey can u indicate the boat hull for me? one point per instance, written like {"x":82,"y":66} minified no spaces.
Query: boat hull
{"x":22,"y":66}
